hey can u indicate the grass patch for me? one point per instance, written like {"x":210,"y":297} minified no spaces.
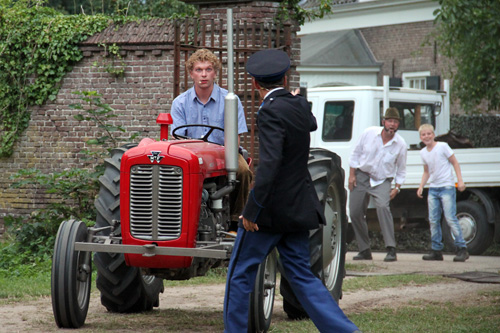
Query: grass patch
{"x":25,"y":281}
{"x":22,"y":287}
{"x":213,"y":276}
{"x":434,"y":317}
{"x":360,"y":267}
{"x":421,"y":316}
{"x":390,"y":281}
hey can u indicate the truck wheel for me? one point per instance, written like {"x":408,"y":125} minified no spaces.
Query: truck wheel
{"x":477,"y":232}
{"x":327,"y":244}
{"x":123,"y":288}
{"x":262,"y":298}
{"x":71,"y":276}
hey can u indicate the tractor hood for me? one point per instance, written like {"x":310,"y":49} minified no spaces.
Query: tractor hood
{"x":202,"y":157}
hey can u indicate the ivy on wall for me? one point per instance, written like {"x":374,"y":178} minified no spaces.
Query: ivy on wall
{"x":38,"y":46}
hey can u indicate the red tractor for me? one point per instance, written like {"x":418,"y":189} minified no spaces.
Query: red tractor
{"x":163,"y":213}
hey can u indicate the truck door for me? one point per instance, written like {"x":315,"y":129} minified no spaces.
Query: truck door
{"x":314,"y":103}
{"x":337,"y":128}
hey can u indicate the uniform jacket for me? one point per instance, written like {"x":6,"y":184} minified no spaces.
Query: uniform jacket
{"x":283,"y":198}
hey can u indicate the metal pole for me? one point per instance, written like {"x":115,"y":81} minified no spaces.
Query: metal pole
{"x":230,"y":108}
{"x":386,"y":93}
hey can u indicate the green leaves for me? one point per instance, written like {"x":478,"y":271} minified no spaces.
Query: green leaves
{"x":290,"y":9}
{"x":71,"y":192}
{"x":467,"y":33}
{"x":38,"y":46}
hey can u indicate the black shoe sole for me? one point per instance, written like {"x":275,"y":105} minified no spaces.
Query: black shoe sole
{"x":433,"y":259}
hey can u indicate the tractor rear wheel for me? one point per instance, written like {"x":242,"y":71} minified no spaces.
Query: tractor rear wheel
{"x":262,"y":298}
{"x":71,"y":276}
{"x":123,"y":288}
{"x":327,"y":244}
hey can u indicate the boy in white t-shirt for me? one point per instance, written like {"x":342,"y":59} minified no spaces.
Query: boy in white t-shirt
{"x":439,"y":162}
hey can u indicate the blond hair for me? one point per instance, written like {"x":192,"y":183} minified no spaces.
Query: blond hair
{"x":425,"y":127}
{"x":200,"y":56}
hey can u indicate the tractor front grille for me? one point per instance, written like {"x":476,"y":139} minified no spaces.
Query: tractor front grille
{"x":155,"y":202}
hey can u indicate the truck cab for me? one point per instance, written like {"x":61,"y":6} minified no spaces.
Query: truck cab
{"x":343,"y":113}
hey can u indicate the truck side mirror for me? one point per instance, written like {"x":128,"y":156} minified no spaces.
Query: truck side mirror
{"x":437,"y":109}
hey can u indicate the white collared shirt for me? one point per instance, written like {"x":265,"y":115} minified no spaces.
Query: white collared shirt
{"x":380,"y":161}
{"x":271,"y":91}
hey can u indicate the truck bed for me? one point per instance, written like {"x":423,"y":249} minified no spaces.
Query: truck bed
{"x":480,"y":167}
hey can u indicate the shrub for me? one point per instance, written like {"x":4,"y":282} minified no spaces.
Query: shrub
{"x":474,"y":127}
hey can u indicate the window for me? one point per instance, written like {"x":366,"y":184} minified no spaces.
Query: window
{"x":416,"y":80}
{"x":337,"y":121}
{"x":412,"y":114}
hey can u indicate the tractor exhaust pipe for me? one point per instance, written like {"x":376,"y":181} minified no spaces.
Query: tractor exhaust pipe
{"x":230,"y":118}
{"x":230,"y":108}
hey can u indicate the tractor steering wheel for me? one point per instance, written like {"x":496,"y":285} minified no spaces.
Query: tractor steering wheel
{"x":204,"y":138}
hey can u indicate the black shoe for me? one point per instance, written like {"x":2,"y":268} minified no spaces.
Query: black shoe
{"x":363,"y":255}
{"x":433,"y":255}
{"x":462,"y":255}
{"x":391,"y":254}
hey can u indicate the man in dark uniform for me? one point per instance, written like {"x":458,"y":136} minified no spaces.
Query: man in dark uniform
{"x":283,"y":205}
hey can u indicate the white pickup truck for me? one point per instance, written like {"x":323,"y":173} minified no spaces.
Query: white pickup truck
{"x":343,"y":113}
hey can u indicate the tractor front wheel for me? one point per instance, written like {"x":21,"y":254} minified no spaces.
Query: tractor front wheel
{"x":123,"y":288}
{"x":71,"y":276}
{"x":262,"y":298}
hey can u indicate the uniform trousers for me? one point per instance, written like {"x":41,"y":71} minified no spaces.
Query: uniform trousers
{"x":250,"y":249}
{"x":359,"y":198}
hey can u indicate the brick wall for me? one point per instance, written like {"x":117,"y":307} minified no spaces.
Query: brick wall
{"x":54,"y":138}
{"x":401,"y":48}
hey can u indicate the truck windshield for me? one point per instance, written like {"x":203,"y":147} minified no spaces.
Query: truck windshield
{"x":412,"y":114}
{"x":337,"y":121}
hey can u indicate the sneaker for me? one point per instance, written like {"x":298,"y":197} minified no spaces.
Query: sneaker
{"x":462,"y":255}
{"x":363,"y":255}
{"x":433,"y":255}
{"x":391,"y":254}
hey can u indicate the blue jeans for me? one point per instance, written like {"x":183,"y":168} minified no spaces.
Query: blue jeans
{"x":444,"y":200}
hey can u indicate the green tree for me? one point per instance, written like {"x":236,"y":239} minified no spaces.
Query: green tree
{"x":467,"y":33}
{"x":138,"y":8}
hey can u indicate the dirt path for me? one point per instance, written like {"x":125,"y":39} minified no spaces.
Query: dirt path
{"x":188,"y":303}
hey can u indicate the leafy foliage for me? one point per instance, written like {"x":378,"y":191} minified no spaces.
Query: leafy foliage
{"x":467,"y":33}
{"x":474,"y":128}
{"x":290,"y":9}
{"x":139,"y":8}
{"x":73,"y":190}
{"x":38,"y":46}
{"x":114,"y":63}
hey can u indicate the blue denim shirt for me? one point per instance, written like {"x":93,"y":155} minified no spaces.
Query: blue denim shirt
{"x":187,"y":109}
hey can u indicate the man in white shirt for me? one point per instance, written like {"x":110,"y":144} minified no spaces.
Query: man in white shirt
{"x":378,"y":158}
